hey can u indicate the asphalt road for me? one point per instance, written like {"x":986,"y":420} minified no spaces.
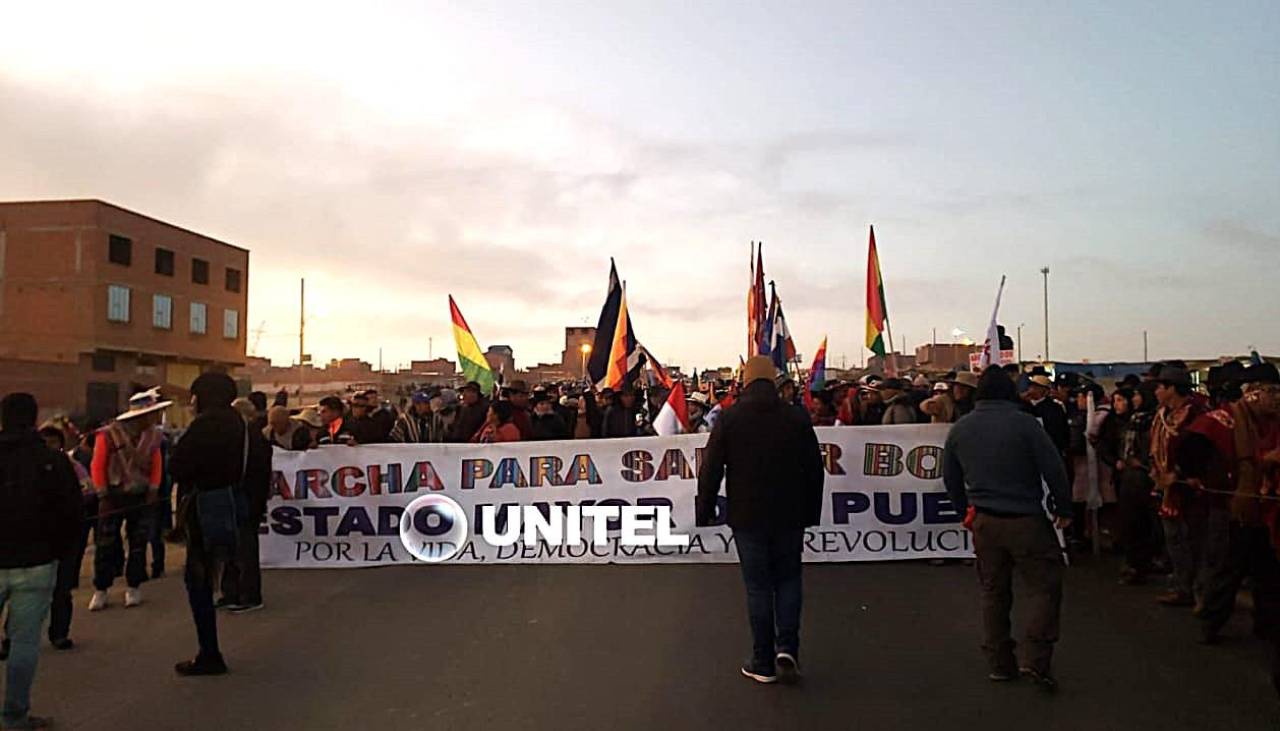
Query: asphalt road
{"x":885,"y":646}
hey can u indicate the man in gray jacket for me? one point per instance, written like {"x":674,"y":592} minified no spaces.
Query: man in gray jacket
{"x":998,"y":460}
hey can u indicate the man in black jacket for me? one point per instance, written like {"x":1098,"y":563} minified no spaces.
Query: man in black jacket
{"x":472,"y":415}
{"x":619,"y":419}
{"x":39,"y":520}
{"x":211,"y":456}
{"x":769,"y":453}
{"x":998,"y":459}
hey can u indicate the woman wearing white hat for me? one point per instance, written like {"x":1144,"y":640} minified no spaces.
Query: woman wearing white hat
{"x":126,"y":471}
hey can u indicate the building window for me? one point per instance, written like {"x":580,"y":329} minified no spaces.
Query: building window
{"x":230,"y":324}
{"x":164,"y":262}
{"x":162,"y":311}
{"x":117,"y":303}
{"x":199,"y":271}
{"x":233,"y":280}
{"x":119,"y":250}
{"x":103,"y":362}
{"x":198,"y":318}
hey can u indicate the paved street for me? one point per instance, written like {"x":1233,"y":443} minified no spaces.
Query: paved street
{"x":886,"y":646}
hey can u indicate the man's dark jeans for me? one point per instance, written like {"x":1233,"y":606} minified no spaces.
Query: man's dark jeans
{"x":68,"y":578}
{"x":1025,"y":546}
{"x":133,"y":514}
{"x":242,"y":576}
{"x":771,"y":570}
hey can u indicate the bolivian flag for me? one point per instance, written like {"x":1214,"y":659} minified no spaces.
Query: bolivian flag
{"x":877,"y":311}
{"x":470,"y":358}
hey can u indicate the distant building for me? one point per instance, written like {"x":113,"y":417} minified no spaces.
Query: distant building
{"x":903,"y":363}
{"x":575,"y":338}
{"x":944,"y":357}
{"x":434,"y":367}
{"x":97,"y":301}
{"x":502,"y":360}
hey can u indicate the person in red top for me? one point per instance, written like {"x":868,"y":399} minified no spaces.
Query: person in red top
{"x":1181,"y":513}
{"x":499,"y":427}
{"x":126,"y":471}
{"x":1233,"y":454}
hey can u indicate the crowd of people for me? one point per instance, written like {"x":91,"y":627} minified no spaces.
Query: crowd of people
{"x":1185,"y":483}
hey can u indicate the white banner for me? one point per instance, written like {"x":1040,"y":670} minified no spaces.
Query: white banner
{"x":340,"y":506}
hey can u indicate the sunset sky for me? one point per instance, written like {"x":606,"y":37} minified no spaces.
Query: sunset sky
{"x":394,"y":153}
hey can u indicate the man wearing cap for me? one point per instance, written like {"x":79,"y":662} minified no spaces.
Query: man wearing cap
{"x":768,"y":455}
{"x":284,"y":431}
{"x":1051,"y":414}
{"x":1179,"y":508}
{"x":963,"y":385}
{"x":898,"y":409}
{"x":940,"y":407}
{"x":363,"y":425}
{"x":471,"y":415}
{"x":127,"y":469}
{"x":546,"y":423}
{"x":521,"y":411}
{"x":444,"y":413}
{"x":619,"y":420}
{"x":415,"y":426}
{"x":696,"y":407}
{"x":998,"y":460}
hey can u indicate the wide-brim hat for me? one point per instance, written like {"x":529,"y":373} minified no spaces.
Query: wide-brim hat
{"x":1039,"y":380}
{"x":518,"y":386}
{"x":1261,"y":373}
{"x":940,"y":386}
{"x":964,"y":378}
{"x":145,"y":402}
{"x":309,"y":416}
{"x":1174,"y":376}
{"x":698,"y":398}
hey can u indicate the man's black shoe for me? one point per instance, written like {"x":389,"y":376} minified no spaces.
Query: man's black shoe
{"x":1002,"y":676}
{"x":62,"y":643}
{"x":4,"y":649}
{"x":760,"y":672}
{"x":788,"y":668}
{"x":225,"y":603}
{"x":245,"y":608}
{"x":1043,"y":681}
{"x":201,"y":666}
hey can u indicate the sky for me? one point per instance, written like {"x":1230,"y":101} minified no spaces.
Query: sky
{"x":396,"y":153}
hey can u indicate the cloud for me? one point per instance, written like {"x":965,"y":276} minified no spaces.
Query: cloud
{"x":1240,"y":236}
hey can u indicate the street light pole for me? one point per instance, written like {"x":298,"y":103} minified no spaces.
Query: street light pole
{"x":1020,"y":326}
{"x":1045,"y":272}
{"x":586,"y":350}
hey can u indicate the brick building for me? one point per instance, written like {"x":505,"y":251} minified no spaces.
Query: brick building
{"x":96,"y":301}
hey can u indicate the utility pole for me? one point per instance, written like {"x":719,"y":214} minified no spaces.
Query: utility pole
{"x":1045,"y":272}
{"x":1145,"y":358}
{"x":379,"y":358}
{"x":431,"y":350}
{"x":1020,"y":326}
{"x":302,"y":326}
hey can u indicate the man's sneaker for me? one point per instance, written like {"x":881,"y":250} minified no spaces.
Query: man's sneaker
{"x":1043,"y":681}
{"x":1176,"y":599}
{"x":132,"y":597}
{"x":244,"y":608}
{"x":788,"y":667}
{"x":62,"y":643}
{"x":98,"y":602}
{"x":760,"y":673}
{"x":1002,"y":676}
{"x":201,"y":666}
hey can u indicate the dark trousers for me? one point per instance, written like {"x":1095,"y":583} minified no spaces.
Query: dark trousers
{"x":133,"y":514}
{"x":242,"y":576}
{"x":1250,"y":554}
{"x":1137,"y":519}
{"x":68,"y":579}
{"x":198,"y":575}
{"x":161,"y":522}
{"x":1027,"y":546}
{"x":771,"y":571}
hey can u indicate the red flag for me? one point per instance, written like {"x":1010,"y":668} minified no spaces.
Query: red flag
{"x":674,"y":416}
